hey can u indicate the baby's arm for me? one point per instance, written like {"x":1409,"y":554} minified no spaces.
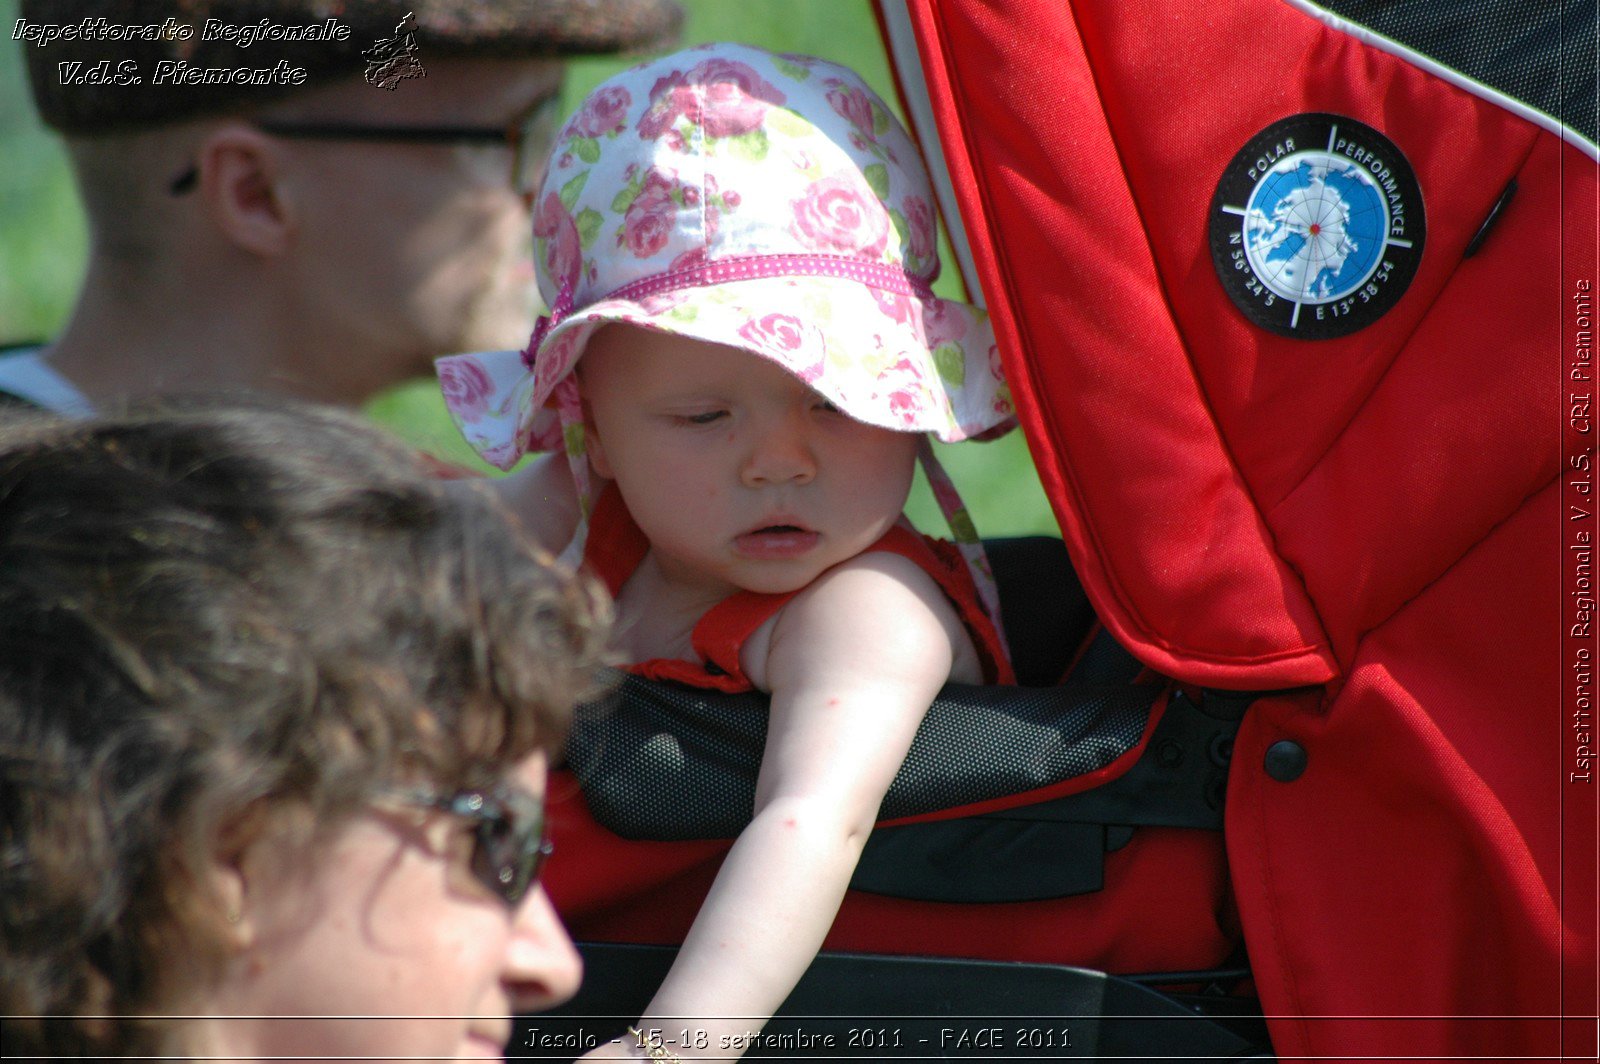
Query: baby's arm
{"x":853,"y":663}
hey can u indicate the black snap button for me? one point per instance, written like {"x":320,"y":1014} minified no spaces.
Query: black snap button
{"x":1221,"y":750}
{"x":1286,"y":760}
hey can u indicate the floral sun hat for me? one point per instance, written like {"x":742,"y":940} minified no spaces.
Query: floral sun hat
{"x":770,"y":203}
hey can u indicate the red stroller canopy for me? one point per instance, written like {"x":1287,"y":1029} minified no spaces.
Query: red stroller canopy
{"x":1298,"y":325}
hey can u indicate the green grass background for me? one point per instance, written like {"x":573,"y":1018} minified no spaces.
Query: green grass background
{"x":43,"y":240}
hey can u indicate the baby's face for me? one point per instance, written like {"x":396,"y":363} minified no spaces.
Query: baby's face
{"x":739,"y":474}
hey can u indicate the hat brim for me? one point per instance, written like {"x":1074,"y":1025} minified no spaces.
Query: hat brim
{"x":902,"y":362}
{"x":913,"y":364}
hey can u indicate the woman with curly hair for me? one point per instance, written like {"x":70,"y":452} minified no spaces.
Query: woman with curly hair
{"x":274,"y":718}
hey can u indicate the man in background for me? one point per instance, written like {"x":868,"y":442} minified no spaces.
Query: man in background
{"x":309,"y":197}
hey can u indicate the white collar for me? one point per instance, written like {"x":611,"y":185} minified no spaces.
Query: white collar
{"x":26,"y":374}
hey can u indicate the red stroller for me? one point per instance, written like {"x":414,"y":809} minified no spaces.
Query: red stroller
{"x":1298,"y":316}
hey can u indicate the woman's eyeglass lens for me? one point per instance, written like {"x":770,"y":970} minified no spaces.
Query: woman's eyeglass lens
{"x":508,"y":843}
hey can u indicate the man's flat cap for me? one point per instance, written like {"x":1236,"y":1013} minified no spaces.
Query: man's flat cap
{"x":196,"y":57}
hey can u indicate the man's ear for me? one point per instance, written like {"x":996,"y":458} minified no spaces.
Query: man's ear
{"x":241,"y":172}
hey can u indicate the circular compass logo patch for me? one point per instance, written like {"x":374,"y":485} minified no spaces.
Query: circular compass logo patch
{"x":1317,"y":226}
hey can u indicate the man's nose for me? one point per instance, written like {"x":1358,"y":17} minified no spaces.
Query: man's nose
{"x":780,"y":453}
{"x":542,"y":968}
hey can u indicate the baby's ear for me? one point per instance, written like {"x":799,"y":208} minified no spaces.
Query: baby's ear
{"x":594,"y":446}
{"x":597,"y":455}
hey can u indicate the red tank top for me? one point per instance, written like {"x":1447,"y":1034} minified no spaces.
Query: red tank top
{"x":616,"y":546}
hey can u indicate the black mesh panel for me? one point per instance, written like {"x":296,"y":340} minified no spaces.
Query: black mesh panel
{"x":1541,"y":52}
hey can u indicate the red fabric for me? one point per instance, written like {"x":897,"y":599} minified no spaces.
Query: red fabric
{"x":1183,"y":580}
{"x":1377,"y":519}
{"x":1166,"y":907}
{"x":616,"y":546}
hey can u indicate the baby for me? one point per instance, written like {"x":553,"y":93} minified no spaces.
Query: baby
{"x":738,"y":247}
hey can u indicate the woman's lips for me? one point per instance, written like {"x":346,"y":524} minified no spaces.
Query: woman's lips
{"x":776,"y":542}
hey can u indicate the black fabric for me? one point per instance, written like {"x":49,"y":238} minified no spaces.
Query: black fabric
{"x":1046,"y":614}
{"x":1540,"y":52}
{"x":662,"y":761}
{"x":1057,"y":848}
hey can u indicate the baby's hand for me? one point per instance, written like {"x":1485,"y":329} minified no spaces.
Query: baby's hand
{"x":632,"y":1046}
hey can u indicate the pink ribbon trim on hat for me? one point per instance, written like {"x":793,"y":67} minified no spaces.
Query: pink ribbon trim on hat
{"x":744,"y":268}
{"x":558,"y":310}
{"x":766,"y":267}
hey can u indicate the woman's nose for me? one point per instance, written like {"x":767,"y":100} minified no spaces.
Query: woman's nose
{"x":543,"y":968}
{"x":781,"y":454}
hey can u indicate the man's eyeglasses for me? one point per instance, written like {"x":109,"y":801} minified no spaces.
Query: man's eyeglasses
{"x":508,"y":843}
{"x":529,"y":138}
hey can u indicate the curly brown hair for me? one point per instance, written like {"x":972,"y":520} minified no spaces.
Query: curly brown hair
{"x":219,"y":615}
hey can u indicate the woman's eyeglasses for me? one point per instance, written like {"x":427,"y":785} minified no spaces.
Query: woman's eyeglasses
{"x":529,"y":137}
{"x":508,"y":843}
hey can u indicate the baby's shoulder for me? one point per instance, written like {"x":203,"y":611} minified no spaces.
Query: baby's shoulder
{"x":874,"y":599}
{"x":544,"y":499}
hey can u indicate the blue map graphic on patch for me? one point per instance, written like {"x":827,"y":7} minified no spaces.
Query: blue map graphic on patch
{"x":1315,"y":226}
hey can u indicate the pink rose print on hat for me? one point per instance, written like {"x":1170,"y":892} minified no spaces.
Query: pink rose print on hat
{"x":801,"y":346}
{"x":895,"y":306}
{"x":920,"y":254}
{"x":840,"y":215}
{"x":905,"y":404}
{"x":724,"y":97}
{"x":556,"y":235}
{"x":1002,"y":405}
{"x":528,"y":441}
{"x":666,"y":107}
{"x":466,"y":387}
{"x":558,"y":357}
{"x":906,"y":368}
{"x":654,"y":306}
{"x":851,"y":104}
{"x":648,"y":222}
{"x":603,"y":113}
{"x":943,"y":324}
{"x":736,"y":97}
{"x":690,"y":259}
